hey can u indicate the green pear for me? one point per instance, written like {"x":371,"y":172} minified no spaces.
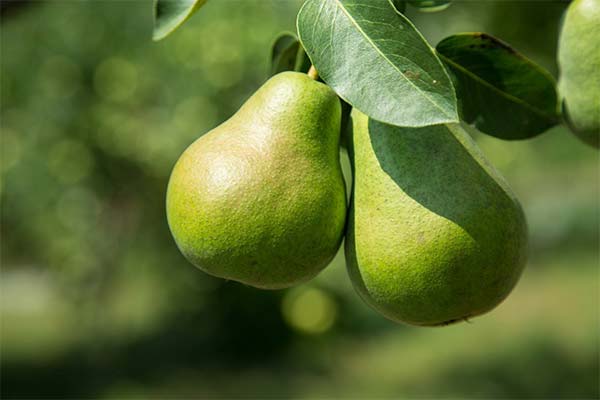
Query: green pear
{"x":579,"y":61}
{"x":261,"y":199}
{"x":434,"y":234}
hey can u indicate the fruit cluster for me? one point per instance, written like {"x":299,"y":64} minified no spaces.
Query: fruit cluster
{"x":433,"y":233}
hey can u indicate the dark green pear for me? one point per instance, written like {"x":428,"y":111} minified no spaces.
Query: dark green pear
{"x":579,"y":61}
{"x":261,"y":199}
{"x":434,"y":235}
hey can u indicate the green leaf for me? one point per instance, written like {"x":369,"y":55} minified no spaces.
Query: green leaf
{"x":284,"y":53}
{"x":500,"y":91}
{"x":377,"y":61}
{"x":171,"y":14}
{"x":287,"y":54}
{"x":430,"y":5}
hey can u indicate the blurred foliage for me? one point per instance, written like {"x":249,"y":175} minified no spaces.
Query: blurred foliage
{"x":96,"y":301}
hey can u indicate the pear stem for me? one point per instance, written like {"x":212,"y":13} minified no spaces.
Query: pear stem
{"x":312,"y":72}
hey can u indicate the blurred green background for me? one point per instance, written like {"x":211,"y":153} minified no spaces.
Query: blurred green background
{"x":97,"y":302}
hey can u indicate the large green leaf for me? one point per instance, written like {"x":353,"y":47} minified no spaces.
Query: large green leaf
{"x":170,"y":14}
{"x":500,"y":91}
{"x":287,"y":54}
{"x":377,"y":61}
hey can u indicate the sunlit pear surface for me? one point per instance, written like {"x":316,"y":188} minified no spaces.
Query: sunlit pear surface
{"x":261,"y":199}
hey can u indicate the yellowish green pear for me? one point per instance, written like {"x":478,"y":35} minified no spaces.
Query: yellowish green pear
{"x":434,"y":235}
{"x":261,"y":199}
{"x":579,"y":61}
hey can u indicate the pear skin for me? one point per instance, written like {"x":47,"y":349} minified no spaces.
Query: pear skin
{"x":261,"y":199}
{"x":579,"y":61}
{"x":434,"y":235}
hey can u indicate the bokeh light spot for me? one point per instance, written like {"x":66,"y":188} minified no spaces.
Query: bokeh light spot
{"x":11,"y":149}
{"x":186,"y":49}
{"x":116,"y":79}
{"x":223,"y":75}
{"x":78,"y":209}
{"x":309,"y":310}
{"x":70,"y":161}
